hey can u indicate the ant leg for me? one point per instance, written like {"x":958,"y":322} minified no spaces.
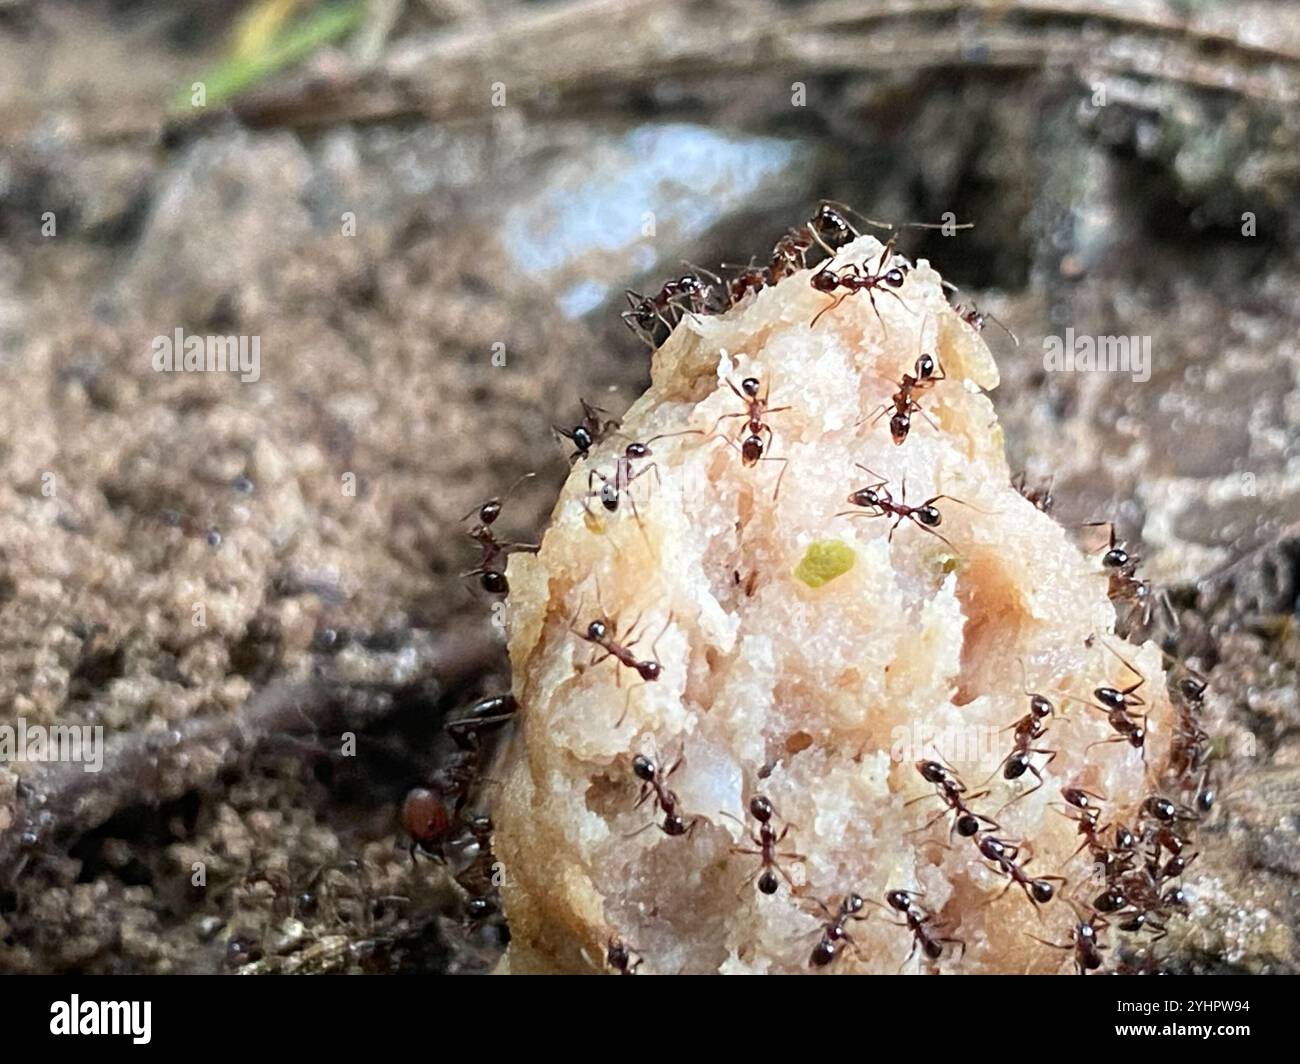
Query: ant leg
{"x":785,"y":464}
{"x":828,"y":309}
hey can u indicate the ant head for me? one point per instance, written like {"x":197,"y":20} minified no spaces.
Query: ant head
{"x":1205,"y":799}
{"x":1192,"y":689}
{"x":1124,"y":839}
{"x":494,"y":583}
{"x":1137,"y":737}
{"x":899,"y":900}
{"x":1111,"y":698}
{"x":932,"y":771}
{"x":636,"y":450}
{"x":597,"y":630}
{"x":761,"y":809}
{"x":1087,"y":932}
{"x":867,"y":497}
{"x":831,"y":225}
{"x":1076,"y":797}
{"x":750,"y":387}
{"x":424,"y":817}
{"x":900,"y":425}
{"x":489,"y":511}
{"x":768,"y":883}
{"x":1176,"y":898}
{"x":751,"y":450}
{"x":609,"y":495}
{"x":933,"y":949}
{"x":1115,"y":558}
{"x":1110,"y":900}
{"x":925,"y":367}
{"x":643,"y":767}
{"x":1041,"y":707}
{"x":825,"y":280}
{"x":967,"y":825}
{"x":895,"y":276}
{"x":582,"y":438}
{"x":929,"y":515}
{"x":1160,"y":808}
{"x":649,"y":670}
{"x":674,"y":825}
{"x":992,"y":848}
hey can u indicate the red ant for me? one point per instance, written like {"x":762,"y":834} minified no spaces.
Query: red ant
{"x":767,"y":840}
{"x":429,"y":813}
{"x":915,"y":919}
{"x":884,"y":278}
{"x":491,"y":577}
{"x":1116,"y":704}
{"x":653,"y":783}
{"x":853,"y":278}
{"x":976,"y":319}
{"x":878,"y":502}
{"x":1124,"y":585}
{"x":588,"y":432}
{"x":754,"y":447}
{"x":1028,"y":730}
{"x":598,"y":633}
{"x":618,"y":955}
{"x":966,"y":823}
{"x":1084,"y":942}
{"x":618,"y":484}
{"x":1004,"y":856}
{"x":835,"y":934}
{"x":648,"y":311}
{"x":903,"y":402}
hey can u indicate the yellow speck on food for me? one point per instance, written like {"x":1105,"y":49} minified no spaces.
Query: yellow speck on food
{"x":823,"y":561}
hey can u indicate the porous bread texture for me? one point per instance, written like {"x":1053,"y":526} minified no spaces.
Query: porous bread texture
{"x":820,"y":698}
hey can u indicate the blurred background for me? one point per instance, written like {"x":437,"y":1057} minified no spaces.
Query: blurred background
{"x":427,"y":212}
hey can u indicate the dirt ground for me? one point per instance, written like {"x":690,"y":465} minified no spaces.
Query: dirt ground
{"x":232,"y":577}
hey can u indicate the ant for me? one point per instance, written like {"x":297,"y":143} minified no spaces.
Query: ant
{"x":1084,"y":942}
{"x":598,"y":633}
{"x":952,"y":790}
{"x":926,"y":374}
{"x":977,"y":319}
{"x":767,"y":840}
{"x":1124,"y":585}
{"x":648,"y":311}
{"x":853,"y":278}
{"x":753,"y":448}
{"x":429,"y":813}
{"x":618,"y":955}
{"x":491,"y":577}
{"x":1028,"y":730}
{"x":653,"y":783}
{"x":915,"y":919}
{"x":1004,"y":856}
{"x":834,"y":934}
{"x":1116,"y":703}
{"x":619,"y":483}
{"x":877,"y":501}
{"x":588,"y":432}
